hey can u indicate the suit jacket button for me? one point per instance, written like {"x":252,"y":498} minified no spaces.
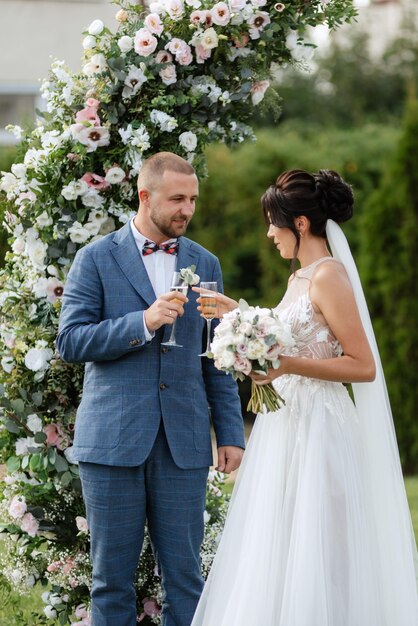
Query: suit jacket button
{"x":163,"y":386}
{"x":164,"y":350}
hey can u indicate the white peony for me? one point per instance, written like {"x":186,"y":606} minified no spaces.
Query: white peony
{"x":188,"y":141}
{"x":36,"y":251}
{"x":44,"y":220}
{"x":165,"y":122}
{"x":89,"y":42}
{"x":115,"y":175}
{"x":50,"y":612}
{"x":93,"y":199}
{"x":34,"y":422}
{"x":96,"y":27}
{"x":37,"y":359}
{"x":125,"y":44}
{"x":18,"y":246}
{"x":74,"y":189}
{"x":78,"y":234}
{"x":7,"y":363}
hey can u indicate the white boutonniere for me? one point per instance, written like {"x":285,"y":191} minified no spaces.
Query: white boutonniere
{"x":188,"y":276}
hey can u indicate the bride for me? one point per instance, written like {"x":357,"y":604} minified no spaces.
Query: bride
{"x":318,"y":531}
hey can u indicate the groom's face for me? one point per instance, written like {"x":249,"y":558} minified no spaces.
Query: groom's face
{"x":170,"y":204}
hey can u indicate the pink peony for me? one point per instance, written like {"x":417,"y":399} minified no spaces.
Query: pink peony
{"x":29,"y":524}
{"x":185,"y":58}
{"x":96,"y":181}
{"x":221,"y":14}
{"x":163,"y":57}
{"x":154,"y":24}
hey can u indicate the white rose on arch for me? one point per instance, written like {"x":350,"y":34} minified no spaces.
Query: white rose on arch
{"x":37,"y":359}
{"x":96,"y":27}
{"x":188,"y":141}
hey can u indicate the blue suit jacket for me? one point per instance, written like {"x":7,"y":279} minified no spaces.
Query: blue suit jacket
{"x":129,"y":384}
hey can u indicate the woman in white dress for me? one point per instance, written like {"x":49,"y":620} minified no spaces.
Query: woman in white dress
{"x":318,"y":531}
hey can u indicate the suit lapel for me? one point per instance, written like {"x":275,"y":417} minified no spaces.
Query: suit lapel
{"x":128,"y":258}
{"x":186,"y":256}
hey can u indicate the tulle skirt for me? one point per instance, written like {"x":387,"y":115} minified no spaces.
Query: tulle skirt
{"x":296,"y":548}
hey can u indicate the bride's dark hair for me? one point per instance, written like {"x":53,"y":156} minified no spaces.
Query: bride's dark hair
{"x":319,"y":197}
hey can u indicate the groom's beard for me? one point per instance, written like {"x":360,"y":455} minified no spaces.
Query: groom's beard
{"x":172,"y":227}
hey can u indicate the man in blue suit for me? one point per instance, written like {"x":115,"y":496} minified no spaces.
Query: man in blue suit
{"x":142,"y":436}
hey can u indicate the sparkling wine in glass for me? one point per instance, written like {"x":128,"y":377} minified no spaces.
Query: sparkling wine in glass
{"x":209,"y":305}
{"x":178,"y":285}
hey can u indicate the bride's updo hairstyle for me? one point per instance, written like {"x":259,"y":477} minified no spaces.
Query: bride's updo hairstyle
{"x":318,"y":197}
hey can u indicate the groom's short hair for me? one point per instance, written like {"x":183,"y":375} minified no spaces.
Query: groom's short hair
{"x":154,"y":167}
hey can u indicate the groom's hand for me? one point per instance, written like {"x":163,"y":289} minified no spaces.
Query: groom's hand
{"x":229,"y":458}
{"x":165,"y":310}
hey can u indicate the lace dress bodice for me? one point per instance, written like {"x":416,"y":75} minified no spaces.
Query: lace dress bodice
{"x":314,"y":338}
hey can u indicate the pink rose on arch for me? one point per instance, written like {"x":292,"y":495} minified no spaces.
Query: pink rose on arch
{"x":89,"y":114}
{"x":92,"y":102}
{"x":81,"y":611}
{"x":29,"y":524}
{"x":68,"y":566}
{"x":55,"y":436}
{"x":258,"y":90}
{"x":241,"y":364}
{"x":151,"y":609}
{"x":202,"y":53}
{"x":96,"y":181}
{"x":54,"y":566}
{"x":185,"y":58}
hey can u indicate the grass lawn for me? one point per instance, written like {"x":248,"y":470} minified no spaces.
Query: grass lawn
{"x":16,"y":611}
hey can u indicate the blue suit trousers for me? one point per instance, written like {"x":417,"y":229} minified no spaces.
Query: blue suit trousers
{"x":119,"y":500}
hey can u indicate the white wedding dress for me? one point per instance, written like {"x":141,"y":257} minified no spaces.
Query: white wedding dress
{"x":301,"y":541}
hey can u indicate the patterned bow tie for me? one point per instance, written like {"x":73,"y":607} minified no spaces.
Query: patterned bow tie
{"x":169,"y":248}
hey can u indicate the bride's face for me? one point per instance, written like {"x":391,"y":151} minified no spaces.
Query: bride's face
{"x":284,"y":240}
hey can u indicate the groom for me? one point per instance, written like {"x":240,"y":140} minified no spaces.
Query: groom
{"x":142,"y":436}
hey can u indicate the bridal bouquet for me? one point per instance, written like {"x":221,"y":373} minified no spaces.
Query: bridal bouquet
{"x":251,"y":339}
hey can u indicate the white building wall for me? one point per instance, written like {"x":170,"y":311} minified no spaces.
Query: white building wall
{"x":31,"y":32}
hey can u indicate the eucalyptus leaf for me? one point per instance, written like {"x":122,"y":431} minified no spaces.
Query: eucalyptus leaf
{"x":18,"y":406}
{"x":61,"y":464}
{"x":12,"y":427}
{"x":13,"y":464}
{"x":40,"y":437}
{"x":66,"y":478}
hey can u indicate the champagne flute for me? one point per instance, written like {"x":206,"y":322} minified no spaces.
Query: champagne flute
{"x":177,"y":284}
{"x":209,"y":305}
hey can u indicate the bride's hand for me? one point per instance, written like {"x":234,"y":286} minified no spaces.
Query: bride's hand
{"x":265,"y":379}
{"x":224,"y":304}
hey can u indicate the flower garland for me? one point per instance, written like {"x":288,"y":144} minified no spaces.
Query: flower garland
{"x":176,"y":77}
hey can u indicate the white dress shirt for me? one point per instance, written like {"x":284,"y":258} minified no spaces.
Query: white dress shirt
{"x":160,"y":267}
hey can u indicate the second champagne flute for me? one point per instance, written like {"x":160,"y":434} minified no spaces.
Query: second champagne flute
{"x":177,"y":284}
{"x":208,"y":304}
